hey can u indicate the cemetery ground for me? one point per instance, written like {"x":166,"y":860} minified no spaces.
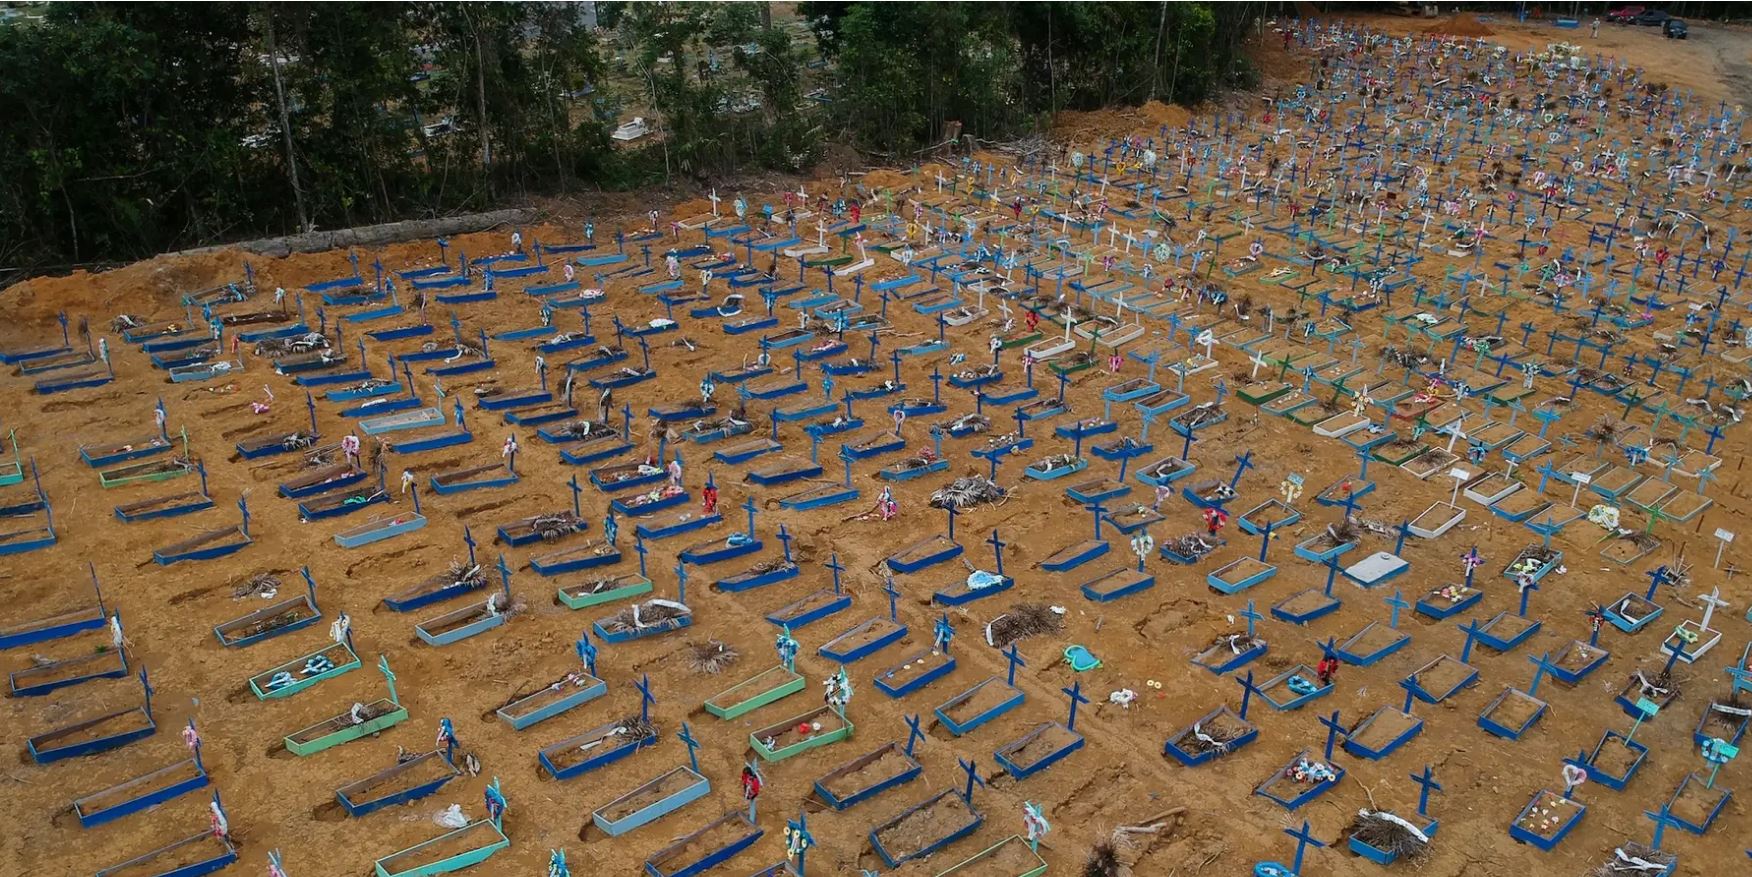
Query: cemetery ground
{"x":1204,"y":818}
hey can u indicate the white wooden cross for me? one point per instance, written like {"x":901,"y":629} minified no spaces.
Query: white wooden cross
{"x":1711,"y":602}
{"x":1258,"y":361}
{"x":940,"y":181}
{"x":714,"y":199}
{"x":1455,"y":433}
{"x":1129,"y":240}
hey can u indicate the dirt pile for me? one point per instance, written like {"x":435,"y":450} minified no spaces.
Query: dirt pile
{"x":1102,"y":124}
{"x":1461,"y":26}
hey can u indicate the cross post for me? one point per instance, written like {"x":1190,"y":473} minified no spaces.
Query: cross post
{"x":1426,"y":785}
{"x":1014,"y":656}
{"x":1075,"y":693}
{"x":1333,"y":729}
{"x":645,"y":697}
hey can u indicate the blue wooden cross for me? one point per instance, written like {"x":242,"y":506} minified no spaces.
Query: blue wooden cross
{"x":1075,"y":693}
{"x":1331,"y":574}
{"x":645,"y":698}
{"x":557,"y":864}
{"x":953,"y":511}
{"x":1673,"y":656}
{"x":1410,"y":689}
{"x":469,"y":540}
{"x":1014,"y":656}
{"x":942,"y":634}
{"x":505,"y":579}
{"x":687,"y":738}
{"x":1265,"y":539}
{"x":681,"y":582}
{"x":836,"y":567}
{"x":639,"y":546}
{"x":1541,"y":665}
{"x":1097,"y":510}
{"x":1657,"y":577}
{"x":913,"y":734}
{"x":1526,"y":594}
{"x":1303,"y":838}
{"x":785,"y":541}
{"x":786,"y":645}
{"x":1664,"y":818}
{"x":587,"y":653}
{"x":1248,"y":689}
{"x":1404,"y":531}
{"x":893,"y":599}
{"x":997,"y":550}
{"x":1426,"y":786}
{"x":243,"y":509}
{"x":1333,"y":729}
{"x":1242,"y":464}
{"x":1252,"y":615}
{"x":973,"y":777}
{"x":1395,"y":603}
{"x":496,"y":803}
{"x":1349,"y":503}
{"x":222,"y":822}
{"x":798,"y":840}
{"x":749,"y":507}
{"x":577,"y":495}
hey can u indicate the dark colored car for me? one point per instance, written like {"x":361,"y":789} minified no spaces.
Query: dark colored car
{"x":1675,"y":29}
{"x":1650,"y":18}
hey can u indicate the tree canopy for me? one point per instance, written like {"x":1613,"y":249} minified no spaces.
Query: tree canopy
{"x":132,"y":129}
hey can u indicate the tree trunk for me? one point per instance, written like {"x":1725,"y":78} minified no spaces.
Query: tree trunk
{"x":1156,"y":64}
{"x":1174,"y":78}
{"x":285,"y":120}
{"x":1051,"y":65}
{"x":72,"y":218}
{"x":481,"y":107}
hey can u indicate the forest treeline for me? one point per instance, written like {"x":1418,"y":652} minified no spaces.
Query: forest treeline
{"x":132,"y":129}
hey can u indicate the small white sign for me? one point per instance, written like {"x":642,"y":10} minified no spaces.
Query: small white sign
{"x":1582,"y":479}
{"x":1724,"y":535}
{"x":1459,"y":474}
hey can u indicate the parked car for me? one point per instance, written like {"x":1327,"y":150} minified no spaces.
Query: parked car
{"x":1650,"y":18}
{"x":1675,"y":29}
{"x":1624,"y":14}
